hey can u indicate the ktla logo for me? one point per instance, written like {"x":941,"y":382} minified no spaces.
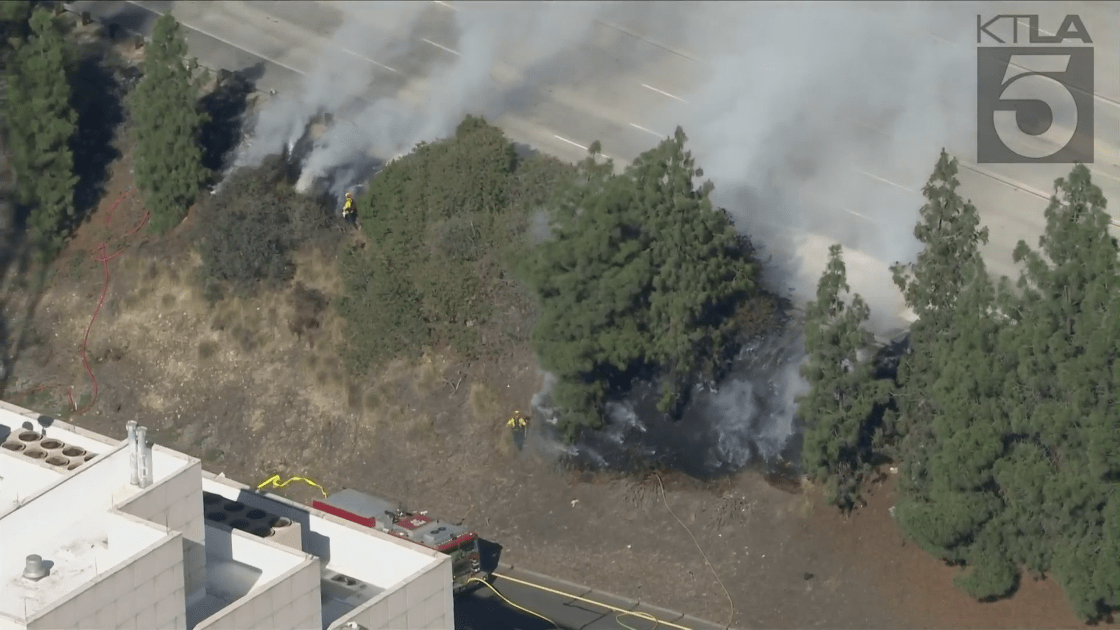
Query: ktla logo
{"x":1034,"y":98}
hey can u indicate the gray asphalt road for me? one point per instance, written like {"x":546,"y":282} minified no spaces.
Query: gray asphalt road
{"x":486,"y":610}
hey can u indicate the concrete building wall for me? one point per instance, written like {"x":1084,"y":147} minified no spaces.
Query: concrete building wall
{"x":144,"y":593}
{"x":425,"y":601}
{"x":176,"y":503}
{"x":291,"y":602}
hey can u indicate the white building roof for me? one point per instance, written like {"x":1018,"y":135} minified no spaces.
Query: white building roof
{"x":123,"y":556}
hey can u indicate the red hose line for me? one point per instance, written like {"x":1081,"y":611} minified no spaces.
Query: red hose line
{"x":100,"y":253}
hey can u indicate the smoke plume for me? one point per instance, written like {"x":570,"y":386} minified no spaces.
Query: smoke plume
{"x":805,"y":107}
{"x":817,"y":122}
{"x":804,"y":112}
{"x":476,"y":76}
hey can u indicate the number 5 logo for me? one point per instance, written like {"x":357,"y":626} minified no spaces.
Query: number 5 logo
{"x":1028,"y":112}
{"x":1023,"y":89}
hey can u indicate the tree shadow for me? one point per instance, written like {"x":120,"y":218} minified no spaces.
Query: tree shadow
{"x":226,"y":107}
{"x":19,"y":257}
{"x":99,"y":101}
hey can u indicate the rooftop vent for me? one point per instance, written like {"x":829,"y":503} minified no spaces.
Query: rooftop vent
{"x":51,"y":451}
{"x":346,"y":589}
{"x":286,"y":532}
{"x":437,"y":536}
{"x":35,"y":453}
{"x":29,"y":437}
{"x":35,"y":570}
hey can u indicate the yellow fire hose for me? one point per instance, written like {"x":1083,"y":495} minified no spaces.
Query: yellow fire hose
{"x":620,"y":612}
{"x":275,"y":482}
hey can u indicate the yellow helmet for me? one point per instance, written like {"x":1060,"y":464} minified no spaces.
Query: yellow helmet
{"x":348,"y":195}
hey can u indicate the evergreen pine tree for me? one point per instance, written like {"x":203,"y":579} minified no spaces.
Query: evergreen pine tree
{"x":950,"y":231}
{"x":643,"y":271}
{"x":167,"y":115}
{"x":843,"y":390}
{"x":41,"y":122}
{"x":950,"y":421}
{"x":1062,"y":474}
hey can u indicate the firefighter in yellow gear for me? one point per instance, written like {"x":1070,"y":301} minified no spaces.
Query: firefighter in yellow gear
{"x":349,"y":210}
{"x":517,"y":422}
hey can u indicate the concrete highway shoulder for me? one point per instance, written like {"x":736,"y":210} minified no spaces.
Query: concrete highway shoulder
{"x":609,"y":600}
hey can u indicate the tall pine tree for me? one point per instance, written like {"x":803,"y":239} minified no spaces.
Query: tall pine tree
{"x":949,"y":422}
{"x":843,"y":390}
{"x":697,"y":263}
{"x":41,"y":122}
{"x":1062,"y":474}
{"x":1008,"y":410}
{"x":643,"y":271}
{"x":949,"y":510}
{"x":167,"y":116}
{"x":950,"y":231}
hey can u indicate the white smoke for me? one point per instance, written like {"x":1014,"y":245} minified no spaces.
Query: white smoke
{"x":806,"y":109}
{"x":473,"y":78}
{"x":794,"y":110}
{"x":339,"y":79}
{"x":802,"y":112}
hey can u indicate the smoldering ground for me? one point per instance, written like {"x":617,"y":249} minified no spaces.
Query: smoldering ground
{"x":817,"y":122}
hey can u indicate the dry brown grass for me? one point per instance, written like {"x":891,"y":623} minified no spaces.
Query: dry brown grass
{"x":484,"y":404}
{"x":429,"y":373}
{"x":486,"y":411}
{"x":810,"y":495}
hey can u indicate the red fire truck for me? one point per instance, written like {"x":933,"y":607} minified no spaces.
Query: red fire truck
{"x":458,"y":542}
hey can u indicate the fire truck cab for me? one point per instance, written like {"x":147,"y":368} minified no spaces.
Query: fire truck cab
{"x":370,"y":511}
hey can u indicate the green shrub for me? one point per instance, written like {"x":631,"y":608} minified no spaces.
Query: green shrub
{"x":249,"y":231}
{"x":439,"y":221}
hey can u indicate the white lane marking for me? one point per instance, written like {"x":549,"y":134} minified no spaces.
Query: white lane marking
{"x":648,"y":41}
{"x":857,"y":214}
{"x":649,"y":131}
{"x":444,"y":48}
{"x":222,"y":40}
{"x":574,"y":144}
{"x":663,"y":93}
{"x":444,"y":4}
{"x":258,"y":54}
{"x":376,"y":63}
{"x":885,"y":181}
